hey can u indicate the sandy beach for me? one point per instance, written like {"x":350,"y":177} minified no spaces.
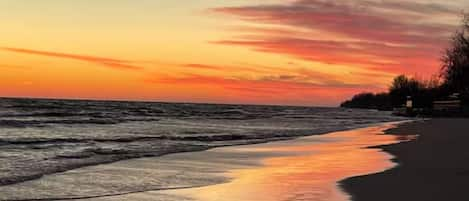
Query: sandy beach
{"x":306,"y":168}
{"x":433,"y":167}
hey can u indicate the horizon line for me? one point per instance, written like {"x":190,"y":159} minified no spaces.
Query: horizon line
{"x":158,"y":101}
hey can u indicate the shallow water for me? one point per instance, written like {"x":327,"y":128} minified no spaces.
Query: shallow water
{"x":307,"y":168}
{"x":311,"y":172}
{"x":42,"y":137}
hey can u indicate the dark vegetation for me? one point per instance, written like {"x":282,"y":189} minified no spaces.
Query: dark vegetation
{"x":423,"y":92}
{"x":453,"y":78}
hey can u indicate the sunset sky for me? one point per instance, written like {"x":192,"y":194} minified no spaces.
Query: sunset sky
{"x":289,"y":52}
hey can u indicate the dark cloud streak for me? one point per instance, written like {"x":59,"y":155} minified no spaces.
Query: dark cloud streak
{"x":108,"y":62}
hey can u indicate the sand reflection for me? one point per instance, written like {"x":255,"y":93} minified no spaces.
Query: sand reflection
{"x":303,"y":169}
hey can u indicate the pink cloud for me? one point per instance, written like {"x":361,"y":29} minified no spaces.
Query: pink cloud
{"x":389,"y":36}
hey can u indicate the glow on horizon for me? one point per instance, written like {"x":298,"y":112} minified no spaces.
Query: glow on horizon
{"x":257,"y":52}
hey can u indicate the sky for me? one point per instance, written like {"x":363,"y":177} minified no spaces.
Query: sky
{"x":282,"y":52}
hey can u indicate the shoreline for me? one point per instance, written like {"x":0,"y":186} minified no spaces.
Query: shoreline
{"x":6,"y":181}
{"x":217,"y":167}
{"x":433,"y":167}
{"x":236,"y":187}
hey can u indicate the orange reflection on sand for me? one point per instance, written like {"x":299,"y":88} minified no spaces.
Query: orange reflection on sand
{"x":310,"y":171}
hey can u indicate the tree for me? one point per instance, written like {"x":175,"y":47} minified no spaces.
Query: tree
{"x":454,"y":74}
{"x":455,"y":69}
{"x":368,"y":100}
{"x":402,"y":87}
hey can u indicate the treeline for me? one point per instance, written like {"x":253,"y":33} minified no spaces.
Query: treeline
{"x":380,"y":101}
{"x":454,"y":78}
{"x":423,"y":92}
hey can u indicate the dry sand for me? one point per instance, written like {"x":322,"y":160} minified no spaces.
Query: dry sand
{"x":433,"y":167}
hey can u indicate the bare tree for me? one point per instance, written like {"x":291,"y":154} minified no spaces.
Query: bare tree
{"x":455,"y":69}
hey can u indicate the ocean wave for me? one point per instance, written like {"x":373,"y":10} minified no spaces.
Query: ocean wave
{"x":41,"y":137}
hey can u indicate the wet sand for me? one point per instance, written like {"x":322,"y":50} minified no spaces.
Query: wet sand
{"x":310,"y":169}
{"x":303,"y":169}
{"x":433,"y":167}
{"x":306,"y":168}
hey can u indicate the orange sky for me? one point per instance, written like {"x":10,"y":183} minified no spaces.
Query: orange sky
{"x":294,"y":52}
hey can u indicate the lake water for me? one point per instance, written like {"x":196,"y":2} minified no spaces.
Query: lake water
{"x":46,"y":137}
{"x":306,"y":168}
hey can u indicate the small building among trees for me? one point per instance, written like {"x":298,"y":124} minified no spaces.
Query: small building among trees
{"x":444,"y":95}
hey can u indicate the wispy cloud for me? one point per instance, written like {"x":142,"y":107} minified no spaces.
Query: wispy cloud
{"x":108,"y":62}
{"x":267,"y":78}
{"x":393,"y":36}
{"x":203,"y":66}
{"x":281,"y":89}
{"x":226,"y":68}
{"x":268,"y":82}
